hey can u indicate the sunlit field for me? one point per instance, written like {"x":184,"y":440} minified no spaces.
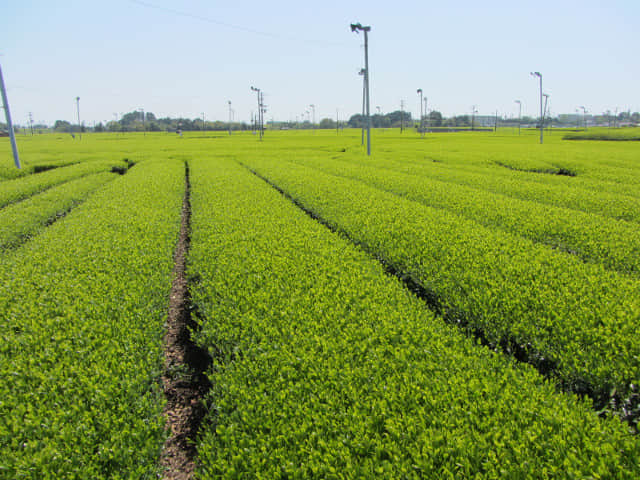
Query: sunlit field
{"x":456,"y":305}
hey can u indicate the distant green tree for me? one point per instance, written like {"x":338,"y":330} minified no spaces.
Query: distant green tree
{"x":435,"y":119}
{"x":327,"y":123}
{"x":62,"y":126}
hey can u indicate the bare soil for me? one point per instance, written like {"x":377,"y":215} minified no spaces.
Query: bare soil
{"x":184,"y":380}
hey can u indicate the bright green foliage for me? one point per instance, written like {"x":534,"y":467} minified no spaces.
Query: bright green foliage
{"x":324,"y":367}
{"x":20,"y":188}
{"x":618,"y":200}
{"x":82,"y":308}
{"x":22,"y":220}
{"x":580,"y":317}
{"x":620,"y":134}
{"x":593,"y":238}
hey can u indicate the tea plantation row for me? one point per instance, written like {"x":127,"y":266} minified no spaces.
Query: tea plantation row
{"x":576,"y":320}
{"x":325,"y":367}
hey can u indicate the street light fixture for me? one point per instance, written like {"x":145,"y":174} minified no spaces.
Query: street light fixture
{"x":519,"y":114}
{"x":474,"y":110}
{"x":539,"y":75}
{"x":357,"y":27}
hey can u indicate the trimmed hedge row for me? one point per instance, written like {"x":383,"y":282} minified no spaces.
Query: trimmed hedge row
{"x":578,"y":321}
{"x":22,"y":220}
{"x":325,"y":367}
{"x":82,"y":308}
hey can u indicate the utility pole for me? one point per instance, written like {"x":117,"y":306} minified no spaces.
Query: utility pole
{"x":544,"y":112}
{"x":313,"y":125}
{"x":7,"y":115}
{"x":366,"y":29}
{"x":229,"y":102}
{"x":78,"y":110}
{"x":401,"y":116}
{"x":364,"y":102}
{"x":519,"y":114}
{"x":474,"y":110}
{"x":31,"y":123}
{"x":262,"y":112}
{"x":259,"y":119}
{"x":495,"y":128}
{"x":421,"y":130}
{"x":584,"y":116}
{"x":539,"y":75}
{"x":426,"y":114}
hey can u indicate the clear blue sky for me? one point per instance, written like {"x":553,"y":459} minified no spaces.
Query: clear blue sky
{"x":184,"y":58}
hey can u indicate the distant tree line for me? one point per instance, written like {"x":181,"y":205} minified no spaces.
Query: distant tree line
{"x":133,"y":122}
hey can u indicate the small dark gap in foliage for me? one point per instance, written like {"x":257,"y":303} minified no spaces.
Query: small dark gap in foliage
{"x":605,"y":400}
{"x":122,"y":169}
{"x":549,"y":171}
{"x":43,"y":168}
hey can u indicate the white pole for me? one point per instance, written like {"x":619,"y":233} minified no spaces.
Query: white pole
{"x":7,"y":115}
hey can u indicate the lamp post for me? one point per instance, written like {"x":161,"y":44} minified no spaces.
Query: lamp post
{"x":519,"y":114}
{"x":229,"y":102}
{"x":313,"y":125}
{"x":202,"y":123}
{"x":544,"y":111}
{"x":539,"y":75}
{"x":419,"y":92}
{"x":356,"y":27}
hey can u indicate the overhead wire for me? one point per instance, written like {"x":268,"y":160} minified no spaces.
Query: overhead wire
{"x":240,"y":28}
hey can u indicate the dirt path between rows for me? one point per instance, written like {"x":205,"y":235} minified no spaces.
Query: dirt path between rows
{"x":184,"y":380}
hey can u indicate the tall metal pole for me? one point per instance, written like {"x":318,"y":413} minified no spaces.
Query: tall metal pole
{"x":229,"y":117}
{"x":313,"y":126}
{"x":259,"y":119}
{"x":7,"y":115}
{"x":203,"y":123}
{"x":401,"y":115}
{"x":474,"y":110}
{"x":262,"y":110}
{"x":79,"y":124}
{"x":426,"y":114}
{"x":364,"y":102}
{"x":419,"y":91}
{"x":539,"y":75}
{"x":584,"y":116}
{"x":366,"y":76}
{"x":519,"y":114}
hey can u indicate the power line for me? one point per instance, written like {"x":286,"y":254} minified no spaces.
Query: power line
{"x":240,"y":28}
